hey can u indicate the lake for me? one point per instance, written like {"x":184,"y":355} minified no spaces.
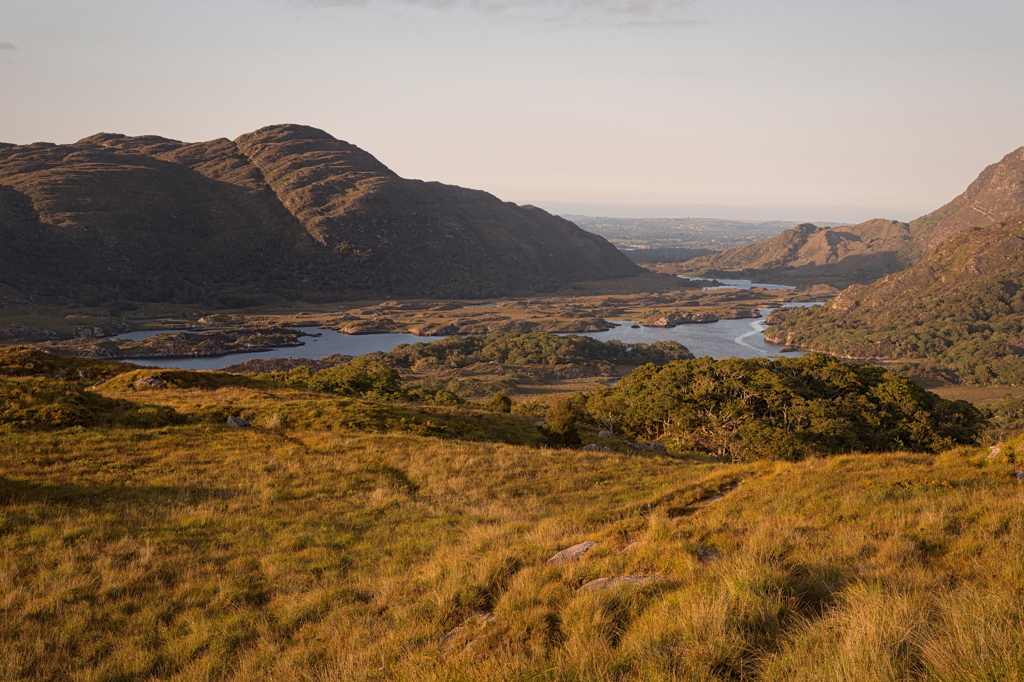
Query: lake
{"x":725,"y":338}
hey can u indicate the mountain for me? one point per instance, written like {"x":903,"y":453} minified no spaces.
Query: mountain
{"x":997,"y":194}
{"x":960,"y":311}
{"x":862,"y":253}
{"x":811,"y":254}
{"x":287,"y":210}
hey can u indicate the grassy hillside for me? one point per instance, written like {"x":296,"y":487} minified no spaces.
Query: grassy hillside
{"x":340,"y":539}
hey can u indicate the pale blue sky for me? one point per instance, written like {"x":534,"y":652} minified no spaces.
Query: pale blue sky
{"x":761,"y":109}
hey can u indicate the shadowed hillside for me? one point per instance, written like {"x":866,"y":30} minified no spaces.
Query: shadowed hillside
{"x":285,"y":211}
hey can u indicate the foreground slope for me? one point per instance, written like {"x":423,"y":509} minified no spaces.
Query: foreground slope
{"x":862,"y":253}
{"x":316,"y":548}
{"x":286,"y":210}
{"x":961,"y":308}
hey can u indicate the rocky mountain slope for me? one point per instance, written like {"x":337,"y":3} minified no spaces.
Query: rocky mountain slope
{"x":862,"y":253}
{"x":995,"y":195}
{"x":287,"y":210}
{"x":960,"y":310}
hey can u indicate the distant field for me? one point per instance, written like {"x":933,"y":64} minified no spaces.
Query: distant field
{"x":979,"y":395}
{"x":695,"y":233}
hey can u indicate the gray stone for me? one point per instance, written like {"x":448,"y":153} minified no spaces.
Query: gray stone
{"x":574,"y":553}
{"x":149,"y":382}
{"x":706,"y":555}
{"x":238,"y":422}
{"x":592,"y":447}
{"x":605,"y":434}
{"x":1020,"y":476}
{"x":612,"y":583}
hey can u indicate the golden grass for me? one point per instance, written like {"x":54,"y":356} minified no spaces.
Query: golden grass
{"x":314,"y":552}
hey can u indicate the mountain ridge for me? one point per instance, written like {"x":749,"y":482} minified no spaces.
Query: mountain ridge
{"x":285,"y":210}
{"x":858,"y":254}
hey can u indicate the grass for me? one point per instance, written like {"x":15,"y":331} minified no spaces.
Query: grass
{"x":318,"y":547}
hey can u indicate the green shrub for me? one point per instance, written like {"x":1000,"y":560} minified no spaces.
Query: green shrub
{"x":499,"y":402}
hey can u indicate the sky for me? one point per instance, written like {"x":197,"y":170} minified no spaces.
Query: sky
{"x":827,"y":110}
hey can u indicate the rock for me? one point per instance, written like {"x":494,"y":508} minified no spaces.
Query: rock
{"x":612,"y":583}
{"x":62,"y":374}
{"x":592,"y":447}
{"x":674,"y":319}
{"x":149,"y":382}
{"x":1020,"y":476}
{"x":706,"y":555}
{"x":574,"y":553}
{"x":605,"y":434}
{"x":83,"y":375}
{"x":995,"y":451}
{"x":447,"y":641}
{"x":238,"y":422}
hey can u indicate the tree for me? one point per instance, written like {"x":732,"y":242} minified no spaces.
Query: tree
{"x":499,"y":402}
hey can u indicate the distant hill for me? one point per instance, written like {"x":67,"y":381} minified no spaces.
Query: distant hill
{"x":960,"y":311}
{"x":862,"y":253}
{"x":287,"y":211}
{"x":808,"y":253}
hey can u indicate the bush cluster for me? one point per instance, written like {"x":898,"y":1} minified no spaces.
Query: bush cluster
{"x":535,"y":348}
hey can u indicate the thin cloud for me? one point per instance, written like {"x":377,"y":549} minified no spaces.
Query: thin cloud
{"x":4,"y":45}
{"x":567,"y":12}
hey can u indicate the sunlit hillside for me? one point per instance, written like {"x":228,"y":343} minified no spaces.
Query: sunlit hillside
{"x":345,"y":539}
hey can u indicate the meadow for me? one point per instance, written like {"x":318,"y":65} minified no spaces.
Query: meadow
{"x":345,"y":539}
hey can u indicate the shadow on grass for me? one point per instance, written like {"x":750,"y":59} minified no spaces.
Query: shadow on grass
{"x":93,"y":496}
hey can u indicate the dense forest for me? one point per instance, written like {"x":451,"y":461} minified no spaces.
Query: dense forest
{"x":782,"y":409}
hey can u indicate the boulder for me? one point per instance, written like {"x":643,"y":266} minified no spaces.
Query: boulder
{"x":612,"y":583}
{"x":574,"y":553}
{"x":149,"y":382}
{"x":238,"y":422}
{"x":605,"y":434}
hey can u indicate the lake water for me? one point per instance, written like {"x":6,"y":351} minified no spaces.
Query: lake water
{"x":725,"y":338}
